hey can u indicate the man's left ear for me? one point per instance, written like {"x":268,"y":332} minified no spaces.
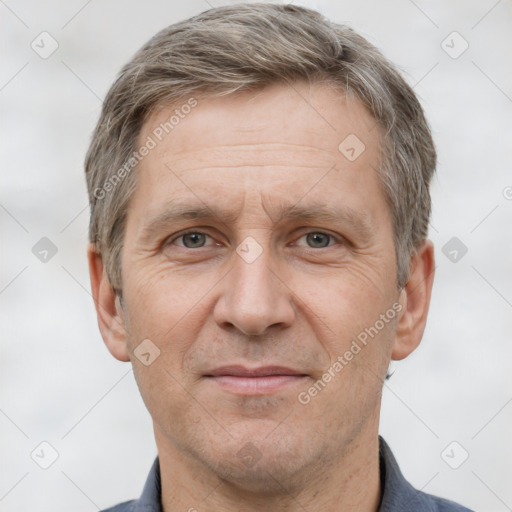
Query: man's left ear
{"x":415,"y":301}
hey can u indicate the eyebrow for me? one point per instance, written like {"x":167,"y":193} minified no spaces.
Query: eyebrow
{"x":176,"y":212}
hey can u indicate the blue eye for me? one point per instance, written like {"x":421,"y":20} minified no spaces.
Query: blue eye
{"x":318,"y":240}
{"x":193,"y":239}
{"x":197,"y":240}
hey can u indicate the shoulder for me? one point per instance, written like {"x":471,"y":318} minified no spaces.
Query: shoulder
{"x":399,"y":495}
{"x":126,"y":506}
{"x":438,"y":504}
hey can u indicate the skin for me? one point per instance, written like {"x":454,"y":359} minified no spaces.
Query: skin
{"x":299,"y":304}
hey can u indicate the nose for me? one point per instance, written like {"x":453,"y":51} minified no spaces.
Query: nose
{"x":253,"y":297}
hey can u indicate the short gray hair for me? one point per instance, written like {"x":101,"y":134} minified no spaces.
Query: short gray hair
{"x":249,"y":46}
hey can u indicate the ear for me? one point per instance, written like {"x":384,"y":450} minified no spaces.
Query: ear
{"x":415,"y":301}
{"x":108,"y":307}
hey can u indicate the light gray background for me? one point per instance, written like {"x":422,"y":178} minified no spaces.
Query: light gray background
{"x":60,"y":385}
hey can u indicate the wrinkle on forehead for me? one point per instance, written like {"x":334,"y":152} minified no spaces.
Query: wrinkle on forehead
{"x":305,"y":115}
{"x":257,"y":154}
{"x":257,"y":150}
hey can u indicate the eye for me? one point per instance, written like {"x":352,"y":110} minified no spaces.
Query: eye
{"x":198,"y":239}
{"x":317,"y":239}
{"x":191,"y":240}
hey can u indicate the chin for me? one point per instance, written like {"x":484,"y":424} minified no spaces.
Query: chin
{"x":267,"y":477}
{"x":265,"y":465}
{"x":260,"y":482}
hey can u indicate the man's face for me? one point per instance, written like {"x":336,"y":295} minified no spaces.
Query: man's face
{"x":259,"y":283}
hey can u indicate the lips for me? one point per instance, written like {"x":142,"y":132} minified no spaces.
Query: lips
{"x":242,"y":371}
{"x":255,"y":381}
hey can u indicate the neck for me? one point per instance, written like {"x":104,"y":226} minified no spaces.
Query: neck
{"x":349,"y":482}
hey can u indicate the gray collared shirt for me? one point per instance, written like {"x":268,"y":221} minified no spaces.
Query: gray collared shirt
{"x":398,"y":495}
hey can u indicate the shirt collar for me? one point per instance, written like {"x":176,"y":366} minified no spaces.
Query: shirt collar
{"x":150,"y":499}
{"x":398,"y":494}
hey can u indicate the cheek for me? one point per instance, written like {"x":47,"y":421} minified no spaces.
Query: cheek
{"x":346,"y":315}
{"x":160,"y":302}
{"x":166,"y":397}
{"x":343,"y":304}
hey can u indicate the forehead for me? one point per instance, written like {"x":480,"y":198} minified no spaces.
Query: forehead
{"x":316,"y":116}
{"x":271,"y":143}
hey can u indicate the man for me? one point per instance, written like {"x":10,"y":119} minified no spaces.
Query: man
{"x":259,"y":188}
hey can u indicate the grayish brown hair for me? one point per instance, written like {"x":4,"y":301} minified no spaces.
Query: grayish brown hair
{"x":244,"y":47}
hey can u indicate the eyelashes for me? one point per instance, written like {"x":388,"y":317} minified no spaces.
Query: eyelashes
{"x":196,"y":239}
